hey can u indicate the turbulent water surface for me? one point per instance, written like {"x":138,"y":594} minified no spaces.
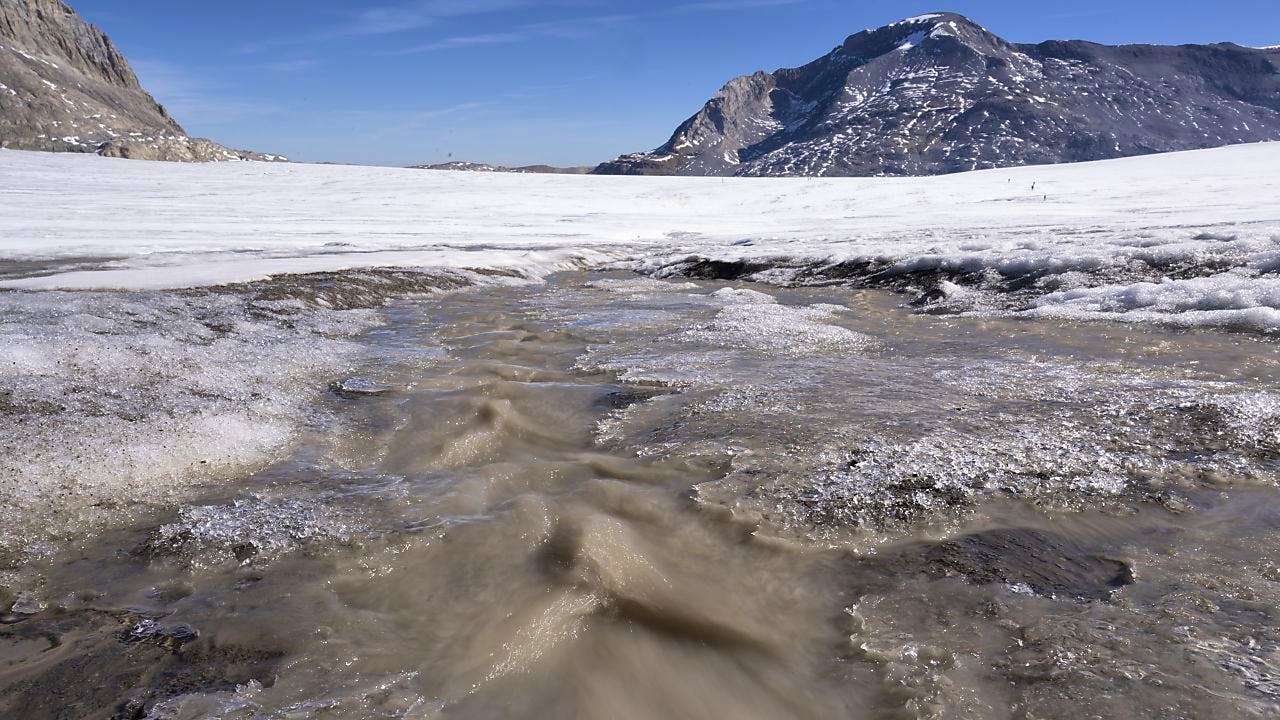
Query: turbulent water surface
{"x":614,"y":496}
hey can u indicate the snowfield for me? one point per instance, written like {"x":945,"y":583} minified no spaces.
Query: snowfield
{"x":1191,"y":238}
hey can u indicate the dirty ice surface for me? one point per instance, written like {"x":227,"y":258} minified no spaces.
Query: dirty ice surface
{"x":611,"y":496}
{"x":316,"y":441}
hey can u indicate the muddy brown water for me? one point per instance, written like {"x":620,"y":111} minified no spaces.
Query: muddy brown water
{"x":610,"y":497}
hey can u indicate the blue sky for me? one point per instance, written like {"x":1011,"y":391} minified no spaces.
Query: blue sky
{"x":564,"y":82}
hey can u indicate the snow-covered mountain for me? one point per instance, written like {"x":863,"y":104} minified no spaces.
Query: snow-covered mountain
{"x":938,"y":93}
{"x":65,"y":87}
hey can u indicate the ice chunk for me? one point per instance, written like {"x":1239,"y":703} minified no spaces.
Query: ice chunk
{"x":768,"y":327}
{"x":252,"y":530}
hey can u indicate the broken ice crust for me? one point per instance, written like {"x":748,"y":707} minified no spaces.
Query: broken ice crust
{"x":114,"y":402}
{"x":752,"y":320}
{"x":1224,"y":282}
{"x":247,"y":530}
{"x":159,"y":392}
{"x":767,"y":389}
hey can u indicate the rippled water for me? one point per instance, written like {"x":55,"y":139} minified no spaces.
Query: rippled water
{"x":619,"y":497}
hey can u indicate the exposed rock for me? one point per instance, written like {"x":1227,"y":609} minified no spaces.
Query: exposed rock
{"x":65,"y":87}
{"x":939,"y":94}
{"x":359,"y":387}
{"x":166,"y":635}
{"x":119,"y":663}
{"x":179,"y":149}
{"x":463,"y":166}
{"x":28,"y":603}
{"x":1028,"y":561}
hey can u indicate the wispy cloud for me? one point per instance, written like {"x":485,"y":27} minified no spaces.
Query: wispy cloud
{"x":573,"y":27}
{"x":192,"y":98}
{"x":577,"y":27}
{"x":394,"y":18}
{"x":387,"y":19}
{"x":731,"y":5}
{"x":1077,"y":14}
{"x":381,"y":124}
{"x":581,"y":26}
{"x":461,"y":41}
{"x":292,"y":66}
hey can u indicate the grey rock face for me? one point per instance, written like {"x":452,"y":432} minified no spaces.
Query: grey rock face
{"x":65,"y":87}
{"x":178,"y":149}
{"x":939,"y":94}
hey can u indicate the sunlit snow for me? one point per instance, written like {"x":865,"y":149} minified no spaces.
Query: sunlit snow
{"x":1194,"y":234}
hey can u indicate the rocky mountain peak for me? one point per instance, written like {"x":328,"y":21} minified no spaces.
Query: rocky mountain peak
{"x":939,"y":93}
{"x":51,"y":28}
{"x":914,"y":32}
{"x":65,"y":87}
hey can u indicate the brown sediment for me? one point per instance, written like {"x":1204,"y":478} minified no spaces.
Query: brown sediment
{"x":512,"y":529}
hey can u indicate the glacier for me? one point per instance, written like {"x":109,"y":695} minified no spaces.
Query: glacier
{"x":183,"y":318}
{"x":1184,"y":230}
{"x":276,"y":428}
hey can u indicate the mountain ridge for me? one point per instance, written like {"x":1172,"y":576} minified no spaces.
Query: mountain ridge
{"x":466,"y":166}
{"x":66,"y":87}
{"x":938,"y":93}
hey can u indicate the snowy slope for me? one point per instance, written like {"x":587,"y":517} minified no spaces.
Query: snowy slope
{"x":1082,"y":238}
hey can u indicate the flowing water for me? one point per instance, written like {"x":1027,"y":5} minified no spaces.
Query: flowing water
{"x":616,"y":497}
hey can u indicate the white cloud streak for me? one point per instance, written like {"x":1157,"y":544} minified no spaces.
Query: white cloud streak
{"x":577,"y":27}
{"x":389,"y":19}
{"x":192,"y":99}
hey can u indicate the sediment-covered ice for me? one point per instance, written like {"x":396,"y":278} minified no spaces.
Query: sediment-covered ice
{"x":885,"y":438}
{"x":739,"y":319}
{"x":111,"y":400}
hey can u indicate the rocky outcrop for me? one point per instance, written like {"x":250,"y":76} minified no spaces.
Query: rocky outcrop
{"x":463,"y":166}
{"x":50,"y":28}
{"x":939,"y":93}
{"x":65,"y":87}
{"x":180,"y":149}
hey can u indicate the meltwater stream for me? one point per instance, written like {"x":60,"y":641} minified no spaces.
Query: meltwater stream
{"x":616,"y":497}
